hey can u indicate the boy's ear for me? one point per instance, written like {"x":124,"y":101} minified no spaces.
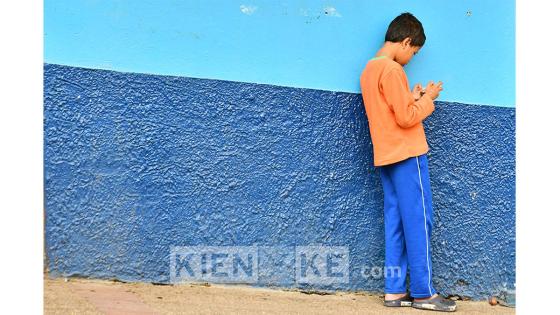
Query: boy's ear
{"x":406,"y":41}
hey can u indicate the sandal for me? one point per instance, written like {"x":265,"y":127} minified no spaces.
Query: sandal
{"x":437,"y":303}
{"x":402,"y":301}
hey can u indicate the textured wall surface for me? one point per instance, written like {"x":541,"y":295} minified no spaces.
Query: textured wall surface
{"x":137,"y":163}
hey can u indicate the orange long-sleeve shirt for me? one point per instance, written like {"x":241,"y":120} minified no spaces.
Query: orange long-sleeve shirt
{"x":395,"y":118}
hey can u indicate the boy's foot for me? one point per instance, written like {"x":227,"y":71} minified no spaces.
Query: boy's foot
{"x":435,"y":303}
{"x":398,"y":300}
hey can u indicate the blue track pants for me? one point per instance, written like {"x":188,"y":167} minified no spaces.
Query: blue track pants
{"x":407,"y":201}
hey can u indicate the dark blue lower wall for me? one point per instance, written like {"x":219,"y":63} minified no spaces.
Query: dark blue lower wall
{"x":137,"y":163}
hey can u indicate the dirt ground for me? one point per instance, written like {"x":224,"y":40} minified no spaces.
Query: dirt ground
{"x":84,"y":296}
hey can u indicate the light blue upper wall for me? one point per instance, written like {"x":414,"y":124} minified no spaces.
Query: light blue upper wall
{"x":313,"y":44}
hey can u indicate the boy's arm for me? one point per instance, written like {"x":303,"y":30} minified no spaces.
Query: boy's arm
{"x":408,"y":112}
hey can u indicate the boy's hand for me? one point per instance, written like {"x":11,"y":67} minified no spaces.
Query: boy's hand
{"x":417,"y":91}
{"x":433,"y":89}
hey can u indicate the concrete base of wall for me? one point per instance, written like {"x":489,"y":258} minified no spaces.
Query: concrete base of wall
{"x":136,"y":164}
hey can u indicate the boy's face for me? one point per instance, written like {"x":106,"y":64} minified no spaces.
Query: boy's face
{"x":406,"y":52}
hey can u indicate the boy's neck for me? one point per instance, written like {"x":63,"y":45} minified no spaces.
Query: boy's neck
{"x":388,"y":50}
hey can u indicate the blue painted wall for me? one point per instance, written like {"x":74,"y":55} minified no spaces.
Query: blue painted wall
{"x":136,"y":163}
{"x":307,"y":44}
{"x":260,"y":136}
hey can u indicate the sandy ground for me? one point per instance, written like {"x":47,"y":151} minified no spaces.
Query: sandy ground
{"x":81,"y":296}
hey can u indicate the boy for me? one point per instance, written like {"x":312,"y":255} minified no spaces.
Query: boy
{"x":395,"y":117}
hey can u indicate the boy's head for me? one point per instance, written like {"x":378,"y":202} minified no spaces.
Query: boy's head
{"x":407,"y":32}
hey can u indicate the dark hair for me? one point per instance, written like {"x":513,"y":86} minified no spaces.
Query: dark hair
{"x":403,"y":26}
